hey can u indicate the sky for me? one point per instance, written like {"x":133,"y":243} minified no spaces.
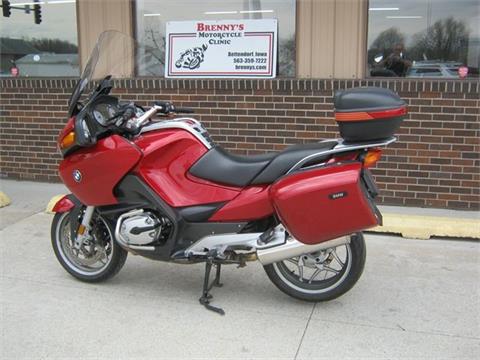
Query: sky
{"x":283,"y":10}
{"x":421,"y":13}
{"x":59,"y":16}
{"x":58,"y":21}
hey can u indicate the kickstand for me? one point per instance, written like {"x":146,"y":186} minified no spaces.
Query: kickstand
{"x":206,"y":296}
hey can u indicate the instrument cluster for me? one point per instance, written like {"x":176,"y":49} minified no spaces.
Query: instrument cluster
{"x":104,"y":109}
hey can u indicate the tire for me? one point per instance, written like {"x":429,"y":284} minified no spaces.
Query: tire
{"x":284,"y":279}
{"x":115,"y":261}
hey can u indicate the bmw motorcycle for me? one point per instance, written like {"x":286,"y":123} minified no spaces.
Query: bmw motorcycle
{"x":153,"y":183}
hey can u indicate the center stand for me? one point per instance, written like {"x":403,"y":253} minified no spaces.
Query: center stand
{"x":206,"y":296}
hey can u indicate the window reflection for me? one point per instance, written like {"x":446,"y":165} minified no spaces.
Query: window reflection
{"x":429,"y":38}
{"x":46,"y":49}
{"x":151,"y":21}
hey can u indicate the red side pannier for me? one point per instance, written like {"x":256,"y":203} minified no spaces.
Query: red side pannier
{"x":325,"y":203}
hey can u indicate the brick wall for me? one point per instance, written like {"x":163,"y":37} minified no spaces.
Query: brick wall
{"x":435,"y":163}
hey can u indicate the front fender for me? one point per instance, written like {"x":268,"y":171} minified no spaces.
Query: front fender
{"x":66,"y":203}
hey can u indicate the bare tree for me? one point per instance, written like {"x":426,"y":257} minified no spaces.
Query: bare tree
{"x":286,"y":57}
{"x":387,"y":39}
{"x":151,"y":58}
{"x":385,"y":42}
{"x":56,"y":46}
{"x":445,"y":40}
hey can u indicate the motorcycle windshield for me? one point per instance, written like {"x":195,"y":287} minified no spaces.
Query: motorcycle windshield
{"x":117,"y":55}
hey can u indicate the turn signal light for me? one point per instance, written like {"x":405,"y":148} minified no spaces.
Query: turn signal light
{"x":68,"y":140}
{"x":372,"y":157}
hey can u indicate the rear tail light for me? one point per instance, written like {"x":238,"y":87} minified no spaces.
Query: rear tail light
{"x":371,"y":115}
{"x":372,"y":157}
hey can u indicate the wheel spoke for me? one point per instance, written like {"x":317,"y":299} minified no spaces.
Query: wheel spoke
{"x":328,"y":268}
{"x":300,"y":268}
{"x":314,"y":275}
{"x":292,"y":261}
{"x":335,"y":256}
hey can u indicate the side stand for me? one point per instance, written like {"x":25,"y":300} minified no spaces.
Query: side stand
{"x":206,"y":296}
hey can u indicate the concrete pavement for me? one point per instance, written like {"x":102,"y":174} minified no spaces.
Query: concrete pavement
{"x":27,"y":198}
{"x":416,"y":299}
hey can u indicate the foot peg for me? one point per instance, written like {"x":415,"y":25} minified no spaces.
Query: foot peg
{"x":206,"y":296}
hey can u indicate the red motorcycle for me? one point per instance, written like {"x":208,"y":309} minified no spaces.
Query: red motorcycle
{"x":156,"y":185}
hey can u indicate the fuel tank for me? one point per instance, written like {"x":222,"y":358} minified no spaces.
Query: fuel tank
{"x":169,"y":150}
{"x":92,"y":173}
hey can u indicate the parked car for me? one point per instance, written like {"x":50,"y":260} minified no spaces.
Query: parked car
{"x":429,"y":69}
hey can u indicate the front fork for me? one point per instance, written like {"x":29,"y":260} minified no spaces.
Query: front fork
{"x":83,"y":232}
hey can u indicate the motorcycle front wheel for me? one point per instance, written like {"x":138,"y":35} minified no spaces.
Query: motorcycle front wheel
{"x":322,"y":275}
{"x":97,"y":259}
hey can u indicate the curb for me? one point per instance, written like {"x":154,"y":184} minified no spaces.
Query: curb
{"x":52,"y":203}
{"x":424,"y":227}
{"x":4,"y":199}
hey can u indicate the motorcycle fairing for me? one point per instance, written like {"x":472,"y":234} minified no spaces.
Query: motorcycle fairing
{"x":133,"y":193}
{"x":92,"y":173}
{"x":252,"y":203}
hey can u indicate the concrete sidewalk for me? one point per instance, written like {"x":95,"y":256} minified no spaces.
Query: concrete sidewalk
{"x":415,"y":299}
{"x":27,"y":198}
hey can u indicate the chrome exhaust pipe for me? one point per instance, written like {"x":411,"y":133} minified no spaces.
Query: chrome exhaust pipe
{"x":292,"y":247}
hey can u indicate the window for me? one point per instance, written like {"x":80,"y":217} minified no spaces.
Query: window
{"x":152,"y":15}
{"x":48,"y":49}
{"x":424,"y":38}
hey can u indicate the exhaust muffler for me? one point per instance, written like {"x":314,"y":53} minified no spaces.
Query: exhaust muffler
{"x":292,"y":247}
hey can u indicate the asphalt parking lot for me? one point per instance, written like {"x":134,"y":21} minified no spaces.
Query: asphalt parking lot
{"x":416,"y":299}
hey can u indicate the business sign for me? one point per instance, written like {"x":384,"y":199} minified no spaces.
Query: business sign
{"x":223,"y":48}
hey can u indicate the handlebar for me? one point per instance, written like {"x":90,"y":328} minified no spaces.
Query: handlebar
{"x":165,"y":108}
{"x":132,"y":124}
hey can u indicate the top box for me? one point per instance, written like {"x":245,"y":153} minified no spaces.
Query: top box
{"x":368,"y":113}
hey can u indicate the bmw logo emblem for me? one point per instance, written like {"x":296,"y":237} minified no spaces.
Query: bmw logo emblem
{"x":77,"y":175}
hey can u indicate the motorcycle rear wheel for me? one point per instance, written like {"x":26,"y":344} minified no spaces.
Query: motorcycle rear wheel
{"x":321,"y":276}
{"x":99,"y":261}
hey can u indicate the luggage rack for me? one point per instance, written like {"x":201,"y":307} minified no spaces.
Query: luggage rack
{"x":341,"y":147}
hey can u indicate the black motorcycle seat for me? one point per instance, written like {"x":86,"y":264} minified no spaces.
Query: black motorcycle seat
{"x":222,"y":167}
{"x":286,"y":159}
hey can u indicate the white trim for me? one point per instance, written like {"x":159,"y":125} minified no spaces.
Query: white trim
{"x":180,"y":124}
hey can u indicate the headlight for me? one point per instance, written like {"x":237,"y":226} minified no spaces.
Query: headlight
{"x":86,"y":131}
{"x":83,"y":134}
